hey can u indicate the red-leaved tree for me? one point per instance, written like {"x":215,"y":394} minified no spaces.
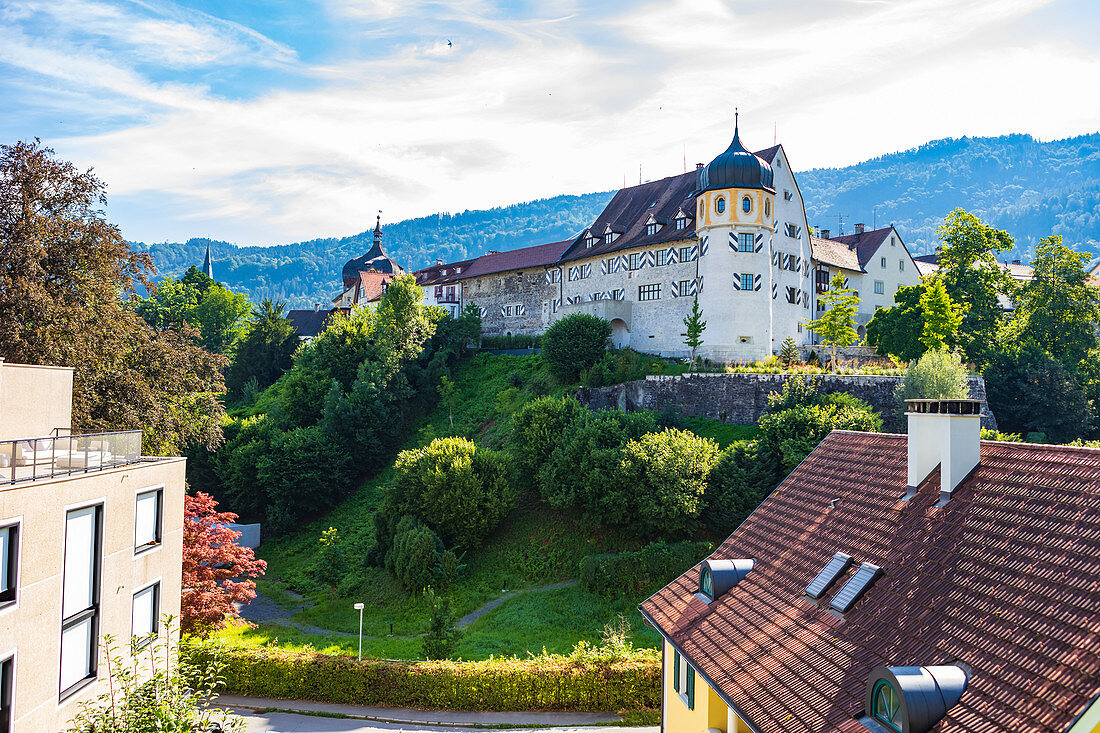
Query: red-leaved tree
{"x":215,"y":567}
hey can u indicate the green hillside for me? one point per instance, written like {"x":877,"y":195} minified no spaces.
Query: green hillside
{"x":1015,"y":182}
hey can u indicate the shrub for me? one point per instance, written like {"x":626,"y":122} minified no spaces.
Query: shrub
{"x":439,"y":640}
{"x":573,"y":344}
{"x":537,"y":429}
{"x":661,"y":482}
{"x":547,"y":682}
{"x":743,"y":476}
{"x":630,"y":574}
{"x":416,"y":554}
{"x":459,"y":490}
{"x":936,"y":375}
{"x":304,"y":472}
{"x":578,"y":470}
{"x":620,"y":365}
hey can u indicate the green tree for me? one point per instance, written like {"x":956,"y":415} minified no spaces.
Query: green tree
{"x":694,"y":325}
{"x":448,"y":397}
{"x":896,"y":331}
{"x":743,"y":476}
{"x":265,"y":350}
{"x":331,"y":564}
{"x":788,"y":352}
{"x":836,"y":327}
{"x":974,"y":279}
{"x":1059,"y":309}
{"x":938,"y":375}
{"x":667,"y":474}
{"x":67,"y":291}
{"x":219,"y":316}
{"x":941,"y":315}
{"x":1031,"y":392}
{"x":441,"y":635}
{"x":538,"y":428}
{"x":573,"y":344}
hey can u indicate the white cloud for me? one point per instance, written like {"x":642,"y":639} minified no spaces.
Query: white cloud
{"x":569,"y":100}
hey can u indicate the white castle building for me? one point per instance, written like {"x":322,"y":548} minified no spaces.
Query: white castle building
{"x":732,"y":233}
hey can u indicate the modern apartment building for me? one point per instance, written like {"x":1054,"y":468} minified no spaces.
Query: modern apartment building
{"x":91,"y":537}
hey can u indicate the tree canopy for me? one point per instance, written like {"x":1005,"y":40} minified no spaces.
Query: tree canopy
{"x":836,"y":327}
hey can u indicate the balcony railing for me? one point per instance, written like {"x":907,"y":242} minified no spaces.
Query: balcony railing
{"x":35,"y":459}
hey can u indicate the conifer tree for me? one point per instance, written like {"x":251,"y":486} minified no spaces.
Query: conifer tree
{"x":694,"y":326}
{"x":788,"y":352}
{"x":836,"y":327}
{"x":942,"y":316}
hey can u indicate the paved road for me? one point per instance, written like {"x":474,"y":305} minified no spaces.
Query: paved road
{"x":290,"y":723}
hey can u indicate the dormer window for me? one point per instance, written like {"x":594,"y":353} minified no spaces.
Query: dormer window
{"x":589,"y":238}
{"x":912,"y":699}
{"x":718,"y":577}
{"x":443,"y":272}
{"x":681,"y":220}
{"x":458,"y":270}
{"x":651,"y":226}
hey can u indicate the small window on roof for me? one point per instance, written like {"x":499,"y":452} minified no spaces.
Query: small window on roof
{"x":828,"y":575}
{"x":856,"y":586}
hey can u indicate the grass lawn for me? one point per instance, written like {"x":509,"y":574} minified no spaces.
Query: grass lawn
{"x":720,"y":432}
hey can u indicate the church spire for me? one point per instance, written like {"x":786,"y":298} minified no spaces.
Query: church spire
{"x":378,"y":230}
{"x":207,"y":265}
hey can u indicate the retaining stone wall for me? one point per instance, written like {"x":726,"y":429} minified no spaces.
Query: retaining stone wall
{"x":740,"y":399}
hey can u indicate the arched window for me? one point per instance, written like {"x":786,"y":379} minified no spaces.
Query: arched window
{"x":767,"y":207}
{"x":886,"y":706}
{"x":720,"y":205}
{"x":706,"y":582}
{"x":746,"y":204}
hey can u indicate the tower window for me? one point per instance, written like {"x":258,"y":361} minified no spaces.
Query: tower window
{"x":767,"y":207}
{"x":745,"y":242}
{"x":720,"y":205}
{"x":746,"y":204}
{"x":746,"y":280}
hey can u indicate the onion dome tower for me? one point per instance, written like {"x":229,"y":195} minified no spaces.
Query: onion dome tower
{"x":736,"y":168}
{"x":376,"y":260}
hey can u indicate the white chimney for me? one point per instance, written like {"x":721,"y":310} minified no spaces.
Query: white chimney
{"x":944,"y":433}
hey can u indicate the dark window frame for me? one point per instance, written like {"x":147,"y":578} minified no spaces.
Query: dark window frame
{"x":7,"y":692}
{"x":159,"y":529}
{"x":651,"y":291}
{"x":91,"y":612}
{"x":146,"y":638}
{"x":9,"y":595}
{"x":746,"y":242}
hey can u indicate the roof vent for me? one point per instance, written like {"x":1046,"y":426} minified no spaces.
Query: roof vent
{"x":913,"y":699}
{"x":828,"y":575}
{"x":718,"y":577}
{"x":856,"y":586}
{"x":944,"y":433}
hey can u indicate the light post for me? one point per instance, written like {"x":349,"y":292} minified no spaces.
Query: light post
{"x":359,"y":607}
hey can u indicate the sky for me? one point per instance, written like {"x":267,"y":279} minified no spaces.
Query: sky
{"x":271,"y":122}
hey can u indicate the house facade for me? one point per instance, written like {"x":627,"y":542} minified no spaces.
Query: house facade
{"x":898,"y":584}
{"x":91,"y":537}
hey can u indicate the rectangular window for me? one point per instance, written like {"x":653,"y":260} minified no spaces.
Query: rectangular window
{"x":892,"y":242}
{"x":555,"y":276}
{"x":745,"y":242}
{"x":438,"y":291}
{"x":635,"y":261}
{"x":9,"y":563}
{"x":80,"y":597}
{"x":145,"y":616}
{"x":649,"y":292}
{"x":787,"y":195}
{"x":882,"y":262}
{"x":450,"y":293}
{"x":662,"y":257}
{"x":685,"y":287}
{"x":901,"y":265}
{"x":746,"y":280}
{"x":683,"y":680}
{"x":650,"y":229}
{"x":148,"y":519}
{"x":791,"y":230}
{"x":685,"y":254}
{"x":880,"y":287}
{"x":681,"y":222}
{"x":609,"y":265}
{"x":7,"y":682}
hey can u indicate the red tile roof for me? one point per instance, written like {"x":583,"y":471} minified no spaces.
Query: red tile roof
{"x":372,"y":284}
{"x":517,"y":259}
{"x":835,"y":254}
{"x":1004,"y":578}
{"x":434,"y":275}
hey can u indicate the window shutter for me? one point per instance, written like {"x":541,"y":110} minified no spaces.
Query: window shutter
{"x":691,"y":688}
{"x":676,"y":671}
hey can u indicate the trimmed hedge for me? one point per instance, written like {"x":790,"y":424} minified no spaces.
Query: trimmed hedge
{"x":550,"y":682}
{"x":651,"y":567}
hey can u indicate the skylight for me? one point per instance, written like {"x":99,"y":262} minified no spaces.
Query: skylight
{"x":863,"y":579}
{"x":828,"y":575}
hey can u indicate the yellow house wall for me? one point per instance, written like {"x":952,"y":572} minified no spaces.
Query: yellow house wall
{"x":710,"y":710}
{"x":707,"y":215}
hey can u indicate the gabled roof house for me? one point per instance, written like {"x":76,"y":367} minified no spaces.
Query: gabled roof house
{"x":893,"y":583}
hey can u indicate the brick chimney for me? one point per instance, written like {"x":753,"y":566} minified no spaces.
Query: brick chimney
{"x":944,"y":433}
{"x":824,"y":233}
{"x":859,"y":228}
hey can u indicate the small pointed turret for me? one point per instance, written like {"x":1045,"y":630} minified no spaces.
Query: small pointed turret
{"x":375,"y":260}
{"x":207,"y":265}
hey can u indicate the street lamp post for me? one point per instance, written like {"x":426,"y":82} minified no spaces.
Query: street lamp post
{"x":359,"y":607}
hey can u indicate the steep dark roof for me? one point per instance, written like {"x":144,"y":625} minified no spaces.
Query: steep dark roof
{"x":629,"y":209}
{"x":1005,"y":578}
{"x":517,"y":259}
{"x":309,"y":323}
{"x":433,"y":275}
{"x":866,"y":244}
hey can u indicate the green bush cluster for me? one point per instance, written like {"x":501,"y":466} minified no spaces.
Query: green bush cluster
{"x":573,"y":344}
{"x":418,"y":559}
{"x":517,"y":341}
{"x":937,"y":375}
{"x":629,"y":574}
{"x":621,"y":365}
{"x":547,"y":682}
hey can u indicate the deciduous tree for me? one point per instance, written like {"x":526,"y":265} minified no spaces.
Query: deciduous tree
{"x":836,"y":327}
{"x":941,"y":315}
{"x":213,"y":567}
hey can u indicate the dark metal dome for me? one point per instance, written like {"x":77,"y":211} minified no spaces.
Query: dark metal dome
{"x":736,"y":168}
{"x":375,"y":260}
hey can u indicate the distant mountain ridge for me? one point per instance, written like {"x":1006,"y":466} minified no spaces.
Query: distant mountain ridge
{"x":1027,"y":187}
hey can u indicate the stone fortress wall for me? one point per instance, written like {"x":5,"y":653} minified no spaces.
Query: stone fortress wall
{"x":740,"y":399}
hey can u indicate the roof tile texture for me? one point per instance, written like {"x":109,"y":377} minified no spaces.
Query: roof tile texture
{"x":1005,"y":578}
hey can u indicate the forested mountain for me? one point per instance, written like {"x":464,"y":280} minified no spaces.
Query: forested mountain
{"x":1014,"y":182}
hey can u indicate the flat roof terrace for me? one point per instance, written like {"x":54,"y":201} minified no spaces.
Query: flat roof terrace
{"x":38,"y":459}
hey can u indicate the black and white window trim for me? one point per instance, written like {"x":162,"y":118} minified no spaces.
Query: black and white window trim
{"x":145,"y":615}
{"x":9,"y":562}
{"x":148,"y":519}
{"x":80,"y":597}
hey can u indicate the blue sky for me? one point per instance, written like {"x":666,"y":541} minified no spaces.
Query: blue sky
{"x":269,"y":122}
